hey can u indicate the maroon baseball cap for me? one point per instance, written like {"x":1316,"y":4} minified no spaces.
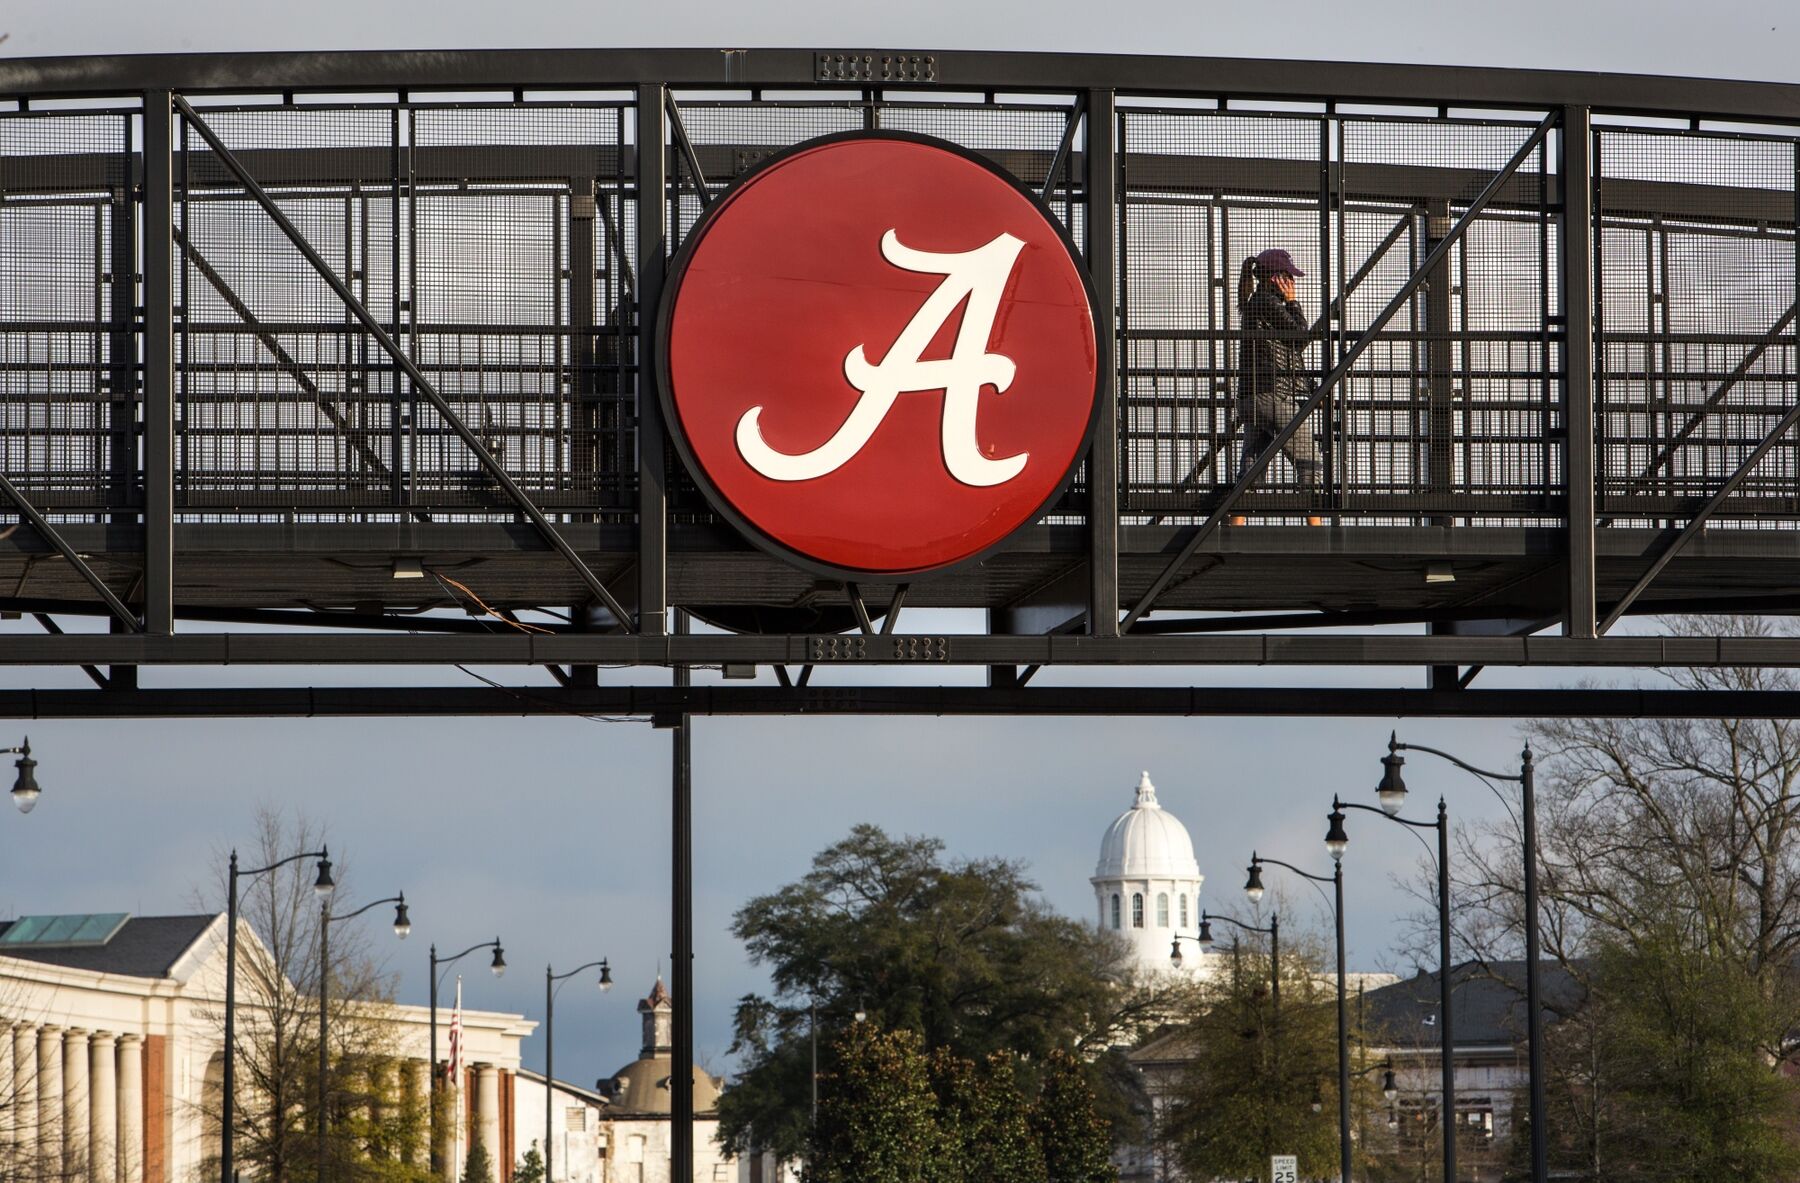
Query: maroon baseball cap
{"x":1276,"y":260}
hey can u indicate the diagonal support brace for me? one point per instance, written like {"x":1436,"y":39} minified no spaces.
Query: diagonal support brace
{"x":1737,"y":375}
{"x":1698,"y":522}
{"x":686,"y":147}
{"x":389,"y":346}
{"x":1254,"y":472}
{"x":48,"y":532}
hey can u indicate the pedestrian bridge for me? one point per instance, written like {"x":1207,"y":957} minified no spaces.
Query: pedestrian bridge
{"x":1554,"y":339}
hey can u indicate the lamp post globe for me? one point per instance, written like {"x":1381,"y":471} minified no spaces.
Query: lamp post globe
{"x":402,"y":922}
{"x":605,"y":983}
{"x":1391,"y":791}
{"x":25,"y":791}
{"x":499,"y":963}
{"x":324,"y":885}
{"x":1337,"y":839}
{"x":1253,"y":886}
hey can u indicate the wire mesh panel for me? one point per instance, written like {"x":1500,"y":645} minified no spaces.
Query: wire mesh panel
{"x":1698,"y":286}
{"x":518,"y":312}
{"x":1453,"y":409}
{"x":68,"y":368}
{"x":1200,"y":192}
{"x":278,"y":404}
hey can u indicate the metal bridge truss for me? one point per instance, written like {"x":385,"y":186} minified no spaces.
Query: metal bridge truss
{"x":349,"y":345}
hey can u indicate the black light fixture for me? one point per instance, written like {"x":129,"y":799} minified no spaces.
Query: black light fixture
{"x":402,"y":922}
{"x":1253,"y":886}
{"x":25,"y":791}
{"x":1337,"y":840}
{"x":324,"y":884}
{"x":499,"y":962}
{"x":1175,"y":957}
{"x":605,"y":982}
{"x":1318,"y":1100}
{"x":1392,"y":789}
{"x":1206,"y":936}
{"x":1389,"y":1090}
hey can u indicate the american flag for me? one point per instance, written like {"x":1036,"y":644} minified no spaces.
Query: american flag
{"x":453,"y":1070}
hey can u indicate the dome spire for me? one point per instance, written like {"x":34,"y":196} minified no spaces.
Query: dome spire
{"x":1146,"y":793}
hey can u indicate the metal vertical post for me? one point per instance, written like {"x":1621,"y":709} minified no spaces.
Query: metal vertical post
{"x":1578,"y":365}
{"x":1100,"y":179}
{"x":431,"y":1118}
{"x":652,"y":248}
{"x":681,"y":957}
{"x":1534,"y":1022}
{"x":549,"y":1070}
{"x":324,"y":992}
{"x":1447,"y":1114}
{"x":159,"y":368}
{"x":1343,"y":1024}
{"x":228,"y":1078}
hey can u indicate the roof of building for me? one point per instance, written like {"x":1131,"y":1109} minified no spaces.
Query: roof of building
{"x":641,"y":1088}
{"x":1487,"y":1004}
{"x":141,"y":947}
{"x":563,"y":1086}
{"x":1147,"y":842}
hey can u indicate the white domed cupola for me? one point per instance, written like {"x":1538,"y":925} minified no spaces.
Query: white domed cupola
{"x":1147,"y":882}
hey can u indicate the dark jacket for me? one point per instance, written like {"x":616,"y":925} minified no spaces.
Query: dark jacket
{"x":1272,"y":359}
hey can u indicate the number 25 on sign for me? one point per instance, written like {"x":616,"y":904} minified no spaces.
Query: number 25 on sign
{"x":1284,"y":1168}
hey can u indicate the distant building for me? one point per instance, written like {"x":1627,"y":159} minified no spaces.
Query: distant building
{"x":1488,"y":1028}
{"x":111,"y":1056}
{"x":619,"y":1132}
{"x":1147,"y":884}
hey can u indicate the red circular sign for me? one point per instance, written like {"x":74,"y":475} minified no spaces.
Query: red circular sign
{"x":879,"y":355}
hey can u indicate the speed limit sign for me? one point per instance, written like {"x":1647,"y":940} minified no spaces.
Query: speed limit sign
{"x":1284,"y":1168}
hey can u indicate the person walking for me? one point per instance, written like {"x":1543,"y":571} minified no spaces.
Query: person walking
{"x":1273,"y":381}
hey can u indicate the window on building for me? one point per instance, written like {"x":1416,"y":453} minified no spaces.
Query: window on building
{"x":1137,"y":909}
{"x":1115,"y":910}
{"x":1162,"y":909}
{"x":1184,"y":910}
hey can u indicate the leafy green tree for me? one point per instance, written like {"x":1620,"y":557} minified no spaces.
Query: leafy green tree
{"x":962,"y":952}
{"x":1075,"y":1140}
{"x":1250,"y":1089}
{"x":877,"y":1113}
{"x":984,"y":1121}
{"x":477,"y":1167}
{"x":531,"y":1166}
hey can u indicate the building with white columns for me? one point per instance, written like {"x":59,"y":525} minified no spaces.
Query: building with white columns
{"x":111,"y":1049}
{"x":1147,"y":883}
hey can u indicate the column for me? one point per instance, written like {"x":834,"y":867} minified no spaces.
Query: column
{"x":418,"y":1094}
{"x":487,"y":1111}
{"x":103,"y":1108}
{"x":131,"y":1109}
{"x":75,"y":1101}
{"x":49,"y":1097}
{"x":24,"y":1043}
{"x":8,"y":1104}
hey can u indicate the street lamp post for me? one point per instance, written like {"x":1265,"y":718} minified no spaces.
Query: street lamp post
{"x":1253,"y":888}
{"x":1393,"y":788}
{"x":498,"y":965}
{"x":1336,"y":842}
{"x":25,"y":791}
{"x":322,"y":886}
{"x":402,"y":926}
{"x":550,"y":989}
{"x":1205,"y":940}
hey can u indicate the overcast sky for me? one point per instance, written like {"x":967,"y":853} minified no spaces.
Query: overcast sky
{"x":554,"y":833}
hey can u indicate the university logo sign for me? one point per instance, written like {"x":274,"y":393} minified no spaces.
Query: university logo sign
{"x":879,"y":355}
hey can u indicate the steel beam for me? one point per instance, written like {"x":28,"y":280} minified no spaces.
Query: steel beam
{"x":30,"y":513}
{"x":649,"y":702}
{"x":1101,"y":183}
{"x":1254,"y":471}
{"x":421,"y":383}
{"x":1575,"y":266}
{"x":652,"y":252}
{"x":934,"y":652}
{"x":158,"y":232}
{"x":420,"y":71}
